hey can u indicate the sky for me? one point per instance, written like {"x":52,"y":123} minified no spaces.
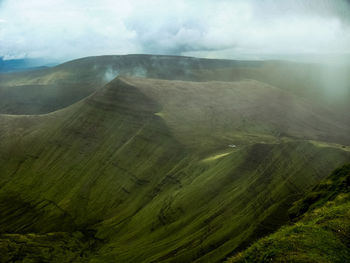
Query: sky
{"x":235,"y":29}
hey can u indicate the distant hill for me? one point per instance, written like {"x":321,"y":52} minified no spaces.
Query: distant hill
{"x":13,"y":65}
{"x":46,"y":90}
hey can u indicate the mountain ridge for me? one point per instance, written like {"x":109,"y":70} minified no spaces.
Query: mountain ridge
{"x":137,"y":170}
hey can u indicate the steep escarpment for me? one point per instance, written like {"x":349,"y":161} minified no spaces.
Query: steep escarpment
{"x":74,"y":168}
{"x":123,"y":176}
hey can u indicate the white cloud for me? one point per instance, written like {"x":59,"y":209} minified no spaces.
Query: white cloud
{"x":66,"y":29}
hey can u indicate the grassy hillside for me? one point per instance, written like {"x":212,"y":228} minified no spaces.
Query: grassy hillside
{"x":240,"y":112}
{"x":321,"y":231}
{"x":142,"y":171}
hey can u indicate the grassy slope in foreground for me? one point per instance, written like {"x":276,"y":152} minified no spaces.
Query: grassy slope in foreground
{"x":322,"y":232}
{"x":119,"y":167}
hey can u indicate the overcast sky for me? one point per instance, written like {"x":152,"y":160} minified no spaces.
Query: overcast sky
{"x":67,"y":29}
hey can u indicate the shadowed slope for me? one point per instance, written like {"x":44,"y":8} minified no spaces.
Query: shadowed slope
{"x":76,"y":143}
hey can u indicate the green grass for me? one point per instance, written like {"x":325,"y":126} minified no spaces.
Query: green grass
{"x":51,"y":247}
{"x":136,"y":183}
{"x":321,"y":233}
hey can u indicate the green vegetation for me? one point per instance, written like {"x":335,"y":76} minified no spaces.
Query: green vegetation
{"x":141,"y":169}
{"x":51,"y":247}
{"x":321,"y":233}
